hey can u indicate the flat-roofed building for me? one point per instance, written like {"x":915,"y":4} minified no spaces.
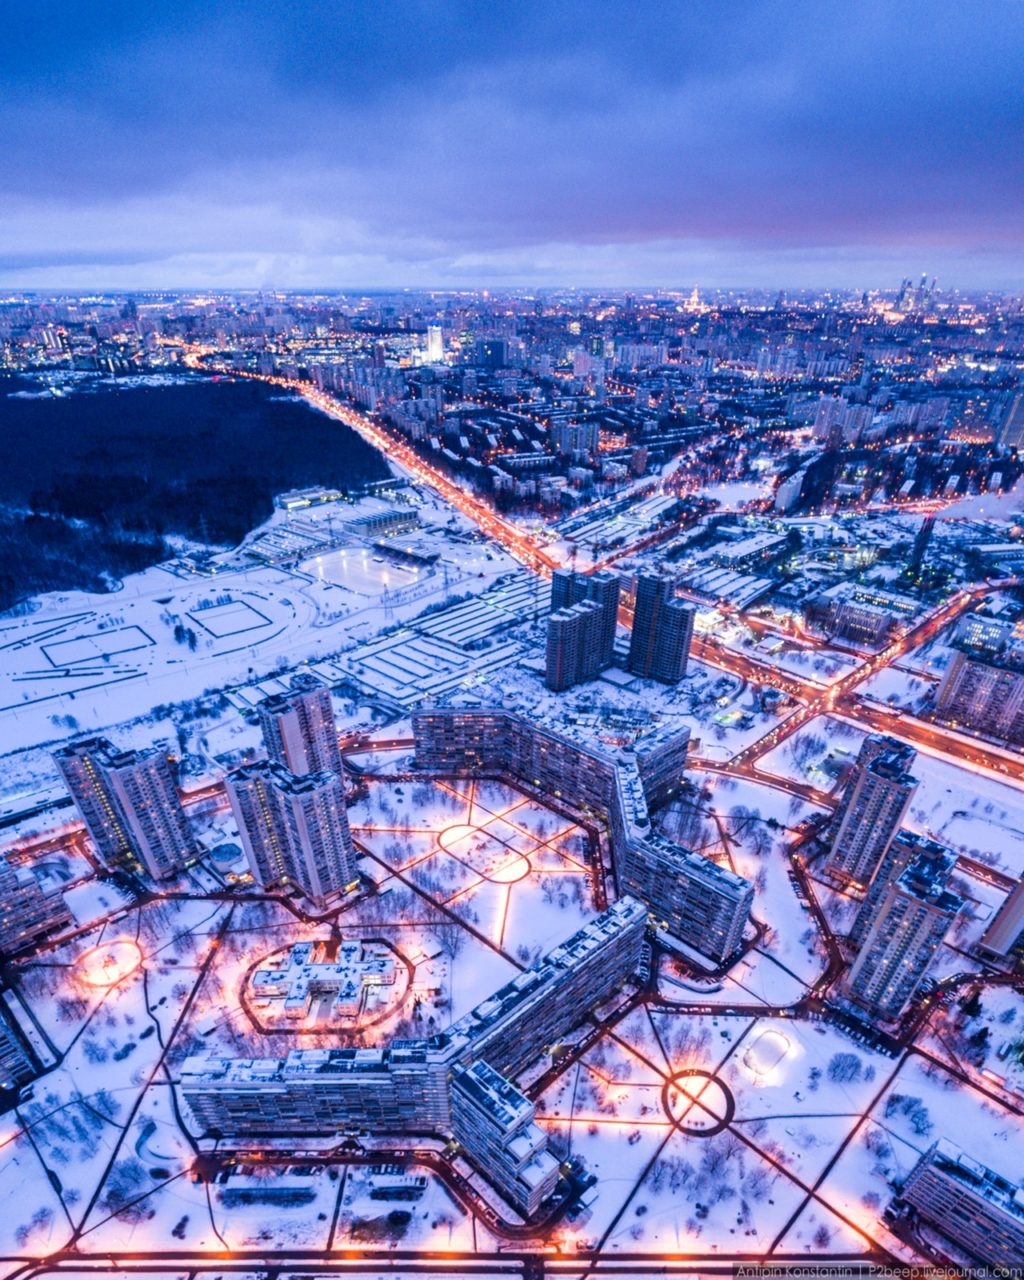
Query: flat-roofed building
{"x":872,"y":809}
{"x":979,"y":1211}
{"x":496,"y":1126}
{"x":986,"y":697}
{"x":299,"y":729}
{"x":294,"y":829}
{"x":457,"y":1083}
{"x":28,"y":913}
{"x":911,"y":922}
{"x":130,"y":805}
{"x":702,"y":904}
{"x":569,"y":588}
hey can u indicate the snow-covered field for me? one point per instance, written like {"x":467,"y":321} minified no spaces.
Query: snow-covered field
{"x":975,"y":814}
{"x":90,"y":661}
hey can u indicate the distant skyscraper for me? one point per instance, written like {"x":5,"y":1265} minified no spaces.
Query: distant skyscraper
{"x":144,"y":785}
{"x":876,"y":799}
{"x":828,"y":418}
{"x":82,"y":766}
{"x":299,"y":729}
{"x":27,"y":912}
{"x":911,"y":921}
{"x":129,"y":804}
{"x":294,"y":829}
{"x":435,"y":344}
{"x":1011,"y":431}
{"x":921,"y":542}
{"x":662,"y":631}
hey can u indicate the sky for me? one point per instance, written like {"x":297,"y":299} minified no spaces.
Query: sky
{"x":476,"y":143}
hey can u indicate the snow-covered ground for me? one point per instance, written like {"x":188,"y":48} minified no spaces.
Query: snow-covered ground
{"x":165,"y":636}
{"x":977,"y":815}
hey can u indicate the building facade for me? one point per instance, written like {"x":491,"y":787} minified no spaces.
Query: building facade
{"x":299,"y":728}
{"x":1004,"y":937}
{"x":494,"y":1121}
{"x":28,"y":913}
{"x":573,"y":645}
{"x":872,"y":810}
{"x":145,"y":787}
{"x":130,"y":805}
{"x":704,"y":905}
{"x":569,"y":588}
{"x":979,"y":1211}
{"x":700,"y":903}
{"x":986,"y":697}
{"x":294,"y":829}
{"x":659,"y":647}
{"x":910,"y":924}
{"x":82,"y":766}
{"x":905,"y":848}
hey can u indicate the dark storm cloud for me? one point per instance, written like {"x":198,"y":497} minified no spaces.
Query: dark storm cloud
{"x":419,"y":141}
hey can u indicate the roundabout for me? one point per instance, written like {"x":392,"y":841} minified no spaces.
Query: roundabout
{"x":697,"y":1103}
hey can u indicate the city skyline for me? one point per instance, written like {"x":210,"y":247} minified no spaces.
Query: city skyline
{"x":445,"y":146}
{"x":511,"y":638}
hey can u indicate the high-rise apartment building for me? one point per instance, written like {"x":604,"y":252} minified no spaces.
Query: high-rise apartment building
{"x":294,"y":829}
{"x":911,"y":921}
{"x":905,"y":848}
{"x":921,"y":540}
{"x":661,"y":760}
{"x":1004,"y":937}
{"x":493,"y":1120}
{"x":299,"y":729}
{"x":979,"y":1211}
{"x":145,"y":786}
{"x":82,"y":765}
{"x":129,"y":803}
{"x":573,"y":645}
{"x":984,"y":696}
{"x":576,"y":437}
{"x":569,"y":588}
{"x":874,"y":804}
{"x":27,"y":911}
{"x":702,"y":904}
{"x":659,"y":647}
